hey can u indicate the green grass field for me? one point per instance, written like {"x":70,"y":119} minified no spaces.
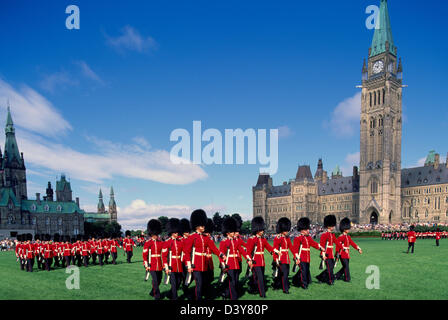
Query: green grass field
{"x":423,"y":275}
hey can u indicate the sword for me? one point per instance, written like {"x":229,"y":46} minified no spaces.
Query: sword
{"x":294,"y":269}
{"x":168,"y":276}
{"x":249,"y":270}
{"x":223,"y":274}
{"x":321,"y":266}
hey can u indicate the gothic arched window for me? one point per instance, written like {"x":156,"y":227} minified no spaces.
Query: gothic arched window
{"x":379,"y":97}
{"x":374,"y":98}
{"x":374,"y":187}
{"x":370,"y":95}
{"x":47,"y":221}
{"x":384,"y":96}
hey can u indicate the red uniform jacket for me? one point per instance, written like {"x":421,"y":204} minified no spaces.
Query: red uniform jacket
{"x":209,"y":260}
{"x":99,"y":247}
{"x":29,"y":251}
{"x":438,"y":236}
{"x":328,"y":240}
{"x":307,"y":242}
{"x":200,"y":243}
{"x":128,"y":244}
{"x":113,"y":245}
{"x":92,"y":246}
{"x":67,"y":249}
{"x":85,"y":249}
{"x":37,"y":249}
{"x":411,"y":236}
{"x":232,"y":249}
{"x":152,"y":254}
{"x":346,"y":241}
{"x":281,"y":246}
{"x":257,"y":255}
{"x":175,"y":247}
{"x":105,"y":244}
{"x":48,"y":251}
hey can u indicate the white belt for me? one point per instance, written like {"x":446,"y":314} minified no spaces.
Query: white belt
{"x":232,"y":255}
{"x":283,"y":250}
{"x":175,"y":257}
{"x":305,"y":249}
{"x":345,"y":248}
{"x":329,"y":247}
{"x":200,"y":253}
{"x":155,"y":255}
{"x":259,"y":252}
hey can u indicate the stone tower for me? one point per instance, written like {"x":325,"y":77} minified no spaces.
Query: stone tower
{"x":63,"y":190}
{"x":101,"y":208}
{"x":112,"y":206}
{"x":381,"y":127}
{"x":12,"y":164}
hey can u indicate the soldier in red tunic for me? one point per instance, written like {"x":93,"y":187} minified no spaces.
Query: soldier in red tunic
{"x":114,"y":245}
{"x":172,"y":255}
{"x":195,"y":250}
{"x":29,"y":255}
{"x":48,"y":255}
{"x":19,"y":255}
{"x":301,"y":247}
{"x":209,"y":272}
{"x":37,"y":255}
{"x":328,"y":241}
{"x":282,"y":245}
{"x":152,"y":256}
{"x":185,"y":233}
{"x":128,"y":246}
{"x":344,"y":253}
{"x":255,"y":248}
{"x":438,"y":237}
{"x":231,"y":248}
{"x":85,"y":252}
{"x":67,"y":251}
{"x":411,"y":239}
{"x":92,"y":244}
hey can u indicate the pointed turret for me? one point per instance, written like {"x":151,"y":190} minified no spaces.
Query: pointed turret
{"x":101,"y":208}
{"x":382,"y":38}
{"x":112,"y":206}
{"x":11,"y":148}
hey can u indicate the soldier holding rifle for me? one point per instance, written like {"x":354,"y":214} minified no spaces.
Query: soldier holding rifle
{"x":282,"y":245}
{"x":329,"y":241}
{"x":344,"y":253}
{"x":152,"y":256}
{"x":172,"y":255}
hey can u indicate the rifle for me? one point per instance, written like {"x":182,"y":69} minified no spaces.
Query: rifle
{"x":149,"y":266}
{"x":188,"y":278}
{"x":321,"y":266}
{"x":294,"y":269}
{"x":224,"y":268}
{"x":249,"y":269}
{"x":168,"y":276}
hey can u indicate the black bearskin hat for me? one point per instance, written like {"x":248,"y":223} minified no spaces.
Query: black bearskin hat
{"x":47,"y":237}
{"x":198,"y":218}
{"x":283,"y":224}
{"x":238,"y":225}
{"x":185,"y":225}
{"x":19,"y":237}
{"x":412,"y":227}
{"x":56,"y":237}
{"x":345,"y":224}
{"x":36,"y":237}
{"x":329,"y":221}
{"x":210,"y":226}
{"x":154,"y":227}
{"x":127,"y":233}
{"x":303,"y":224}
{"x":229,"y":225}
{"x":257,"y":225}
{"x":173,"y":226}
{"x":72,"y":240}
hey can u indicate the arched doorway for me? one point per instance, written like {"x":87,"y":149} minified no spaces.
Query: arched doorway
{"x":390,"y":217}
{"x":374,"y":218}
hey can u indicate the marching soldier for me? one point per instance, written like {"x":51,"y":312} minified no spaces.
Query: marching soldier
{"x":48,"y":255}
{"x":282,"y":245}
{"x":301,"y":247}
{"x":100,"y":251}
{"x":328,"y":241}
{"x":113,"y":250}
{"x":152,"y":256}
{"x":19,"y":250}
{"x":195,"y":250}
{"x":29,"y":254}
{"x":78,"y":249}
{"x":411,"y":239}
{"x":106,"y":252}
{"x":209,"y":267}
{"x":231,"y":249}
{"x":241,"y":243}
{"x":438,"y":237}
{"x":344,"y":253}
{"x":172,"y":256}
{"x":37,"y":245}
{"x":255,"y":248}
{"x":128,"y":245}
{"x":185,"y":229}
{"x":67,"y":251}
{"x":85,"y":251}
{"x":92,"y":244}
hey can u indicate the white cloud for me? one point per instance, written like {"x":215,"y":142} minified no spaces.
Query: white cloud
{"x":344,"y":120}
{"x":57,"y":80}
{"x":88,"y":72}
{"x":32,"y":111}
{"x":138,"y":213}
{"x":131,"y":39}
{"x":352,"y":159}
{"x":284,"y":132}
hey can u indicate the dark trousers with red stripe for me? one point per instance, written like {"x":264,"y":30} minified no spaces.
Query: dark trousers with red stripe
{"x":100,"y":258}
{"x":259,"y":280}
{"x":48,"y":262}
{"x":93,"y":257}
{"x":284,"y":276}
{"x":230,"y":284}
{"x":128,"y":256}
{"x":303,"y":277}
{"x":29,"y":264}
{"x":175,"y":281}
{"x":85,"y":260}
{"x":199,"y":284}
{"x":344,"y":273}
{"x":208,"y":279}
{"x":114,"y":258}
{"x":327,"y":275}
{"x":156,"y":279}
{"x":68,"y":260}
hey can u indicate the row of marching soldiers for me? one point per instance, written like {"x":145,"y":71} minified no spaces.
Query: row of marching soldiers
{"x":186,"y":256}
{"x":64,"y":252}
{"x":402,"y":235}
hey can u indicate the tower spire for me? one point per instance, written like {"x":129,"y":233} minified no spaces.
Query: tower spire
{"x":101,"y":208}
{"x":11,"y":147}
{"x":382,"y":38}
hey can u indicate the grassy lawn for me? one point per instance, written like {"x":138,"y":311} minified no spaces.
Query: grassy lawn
{"x":423,"y":275}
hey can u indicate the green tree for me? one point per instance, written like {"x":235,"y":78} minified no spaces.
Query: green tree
{"x":246,"y":227}
{"x":217,"y":220}
{"x":238,"y":218}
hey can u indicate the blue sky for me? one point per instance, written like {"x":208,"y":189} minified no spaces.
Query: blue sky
{"x":99,"y":103}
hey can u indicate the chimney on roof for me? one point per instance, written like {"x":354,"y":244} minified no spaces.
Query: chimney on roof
{"x":77,"y":201}
{"x":355,"y":171}
{"x":38,"y":197}
{"x":436,"y":161}
{"x":325,"y":177}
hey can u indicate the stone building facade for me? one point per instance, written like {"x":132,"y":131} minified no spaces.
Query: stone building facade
{"x":103,"y":215}
{"x":380,"y":191}
{"x":18,"y":213}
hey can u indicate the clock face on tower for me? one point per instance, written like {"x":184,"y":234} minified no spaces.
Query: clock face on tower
{"x":378,"y":67}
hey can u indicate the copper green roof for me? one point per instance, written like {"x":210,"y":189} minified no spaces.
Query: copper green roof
{"x":431,"y":158}
{"x":60,"y":185}
{"x":383,"y":32}
{"x":11,"y":148}
{"x":112,"y":199}
{"x":7,"y":194}
{"x":50,"y":206}
{"x":337,"y":171}
{"x":93,"y":215}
